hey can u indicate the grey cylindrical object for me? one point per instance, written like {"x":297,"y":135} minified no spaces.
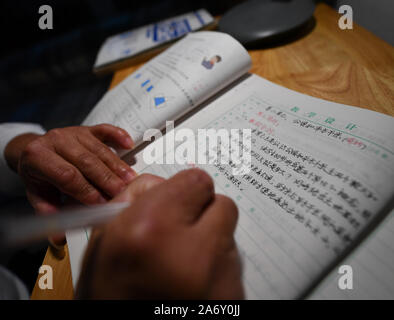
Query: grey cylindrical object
{"x":263,"y":21}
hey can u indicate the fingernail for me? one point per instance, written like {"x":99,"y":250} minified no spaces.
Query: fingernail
{"x":127,"y":174}
{"x":45,"y":208}
{"x":102,"y":200}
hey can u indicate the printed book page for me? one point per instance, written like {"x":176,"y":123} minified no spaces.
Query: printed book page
{"x":372,"y":266}
{"x":320,"y":173}
{"x":133,"y":42}
{"x":173,"y":83}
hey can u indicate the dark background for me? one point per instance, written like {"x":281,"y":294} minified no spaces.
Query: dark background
{"x":46,"y":75}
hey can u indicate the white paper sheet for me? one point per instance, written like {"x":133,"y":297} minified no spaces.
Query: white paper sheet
{"x":322,"y":171}
{"x":133,"y":42}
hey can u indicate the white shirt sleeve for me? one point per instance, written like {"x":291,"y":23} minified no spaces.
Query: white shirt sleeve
{"x":10,"y":182}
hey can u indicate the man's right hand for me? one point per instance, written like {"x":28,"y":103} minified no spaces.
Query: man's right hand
{"x":174,"y":241}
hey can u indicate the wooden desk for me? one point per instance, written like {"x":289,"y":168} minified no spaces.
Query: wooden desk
{"x":347,"y":66}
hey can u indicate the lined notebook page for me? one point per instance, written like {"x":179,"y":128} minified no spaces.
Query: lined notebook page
{"x":320,"y":172}
{"x":314,"y":184}
{"x":373,"y":268}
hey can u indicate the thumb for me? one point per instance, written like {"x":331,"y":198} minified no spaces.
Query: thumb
{"x":44,"y":200}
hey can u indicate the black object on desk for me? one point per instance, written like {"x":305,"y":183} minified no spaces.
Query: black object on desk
{"x":262,"y":22}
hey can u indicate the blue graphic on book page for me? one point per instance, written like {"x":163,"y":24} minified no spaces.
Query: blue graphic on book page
{"x":160,"y":101}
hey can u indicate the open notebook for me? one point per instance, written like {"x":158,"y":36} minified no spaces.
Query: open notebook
{"x":322,"y":173}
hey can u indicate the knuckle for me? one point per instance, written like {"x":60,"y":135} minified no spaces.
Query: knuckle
{"x":54,"y":133}
{"x":87,"y":190}
{"x":33,"y":149}
{"x":145,"y":234}
{"x":111,"y":182}
{"x":199,"y":177}
{"x":66,"y":175}
{"x":107,"y":176}
{"x":86,"y":160}
{"x":89,"y":194}
{"x":103,"y":151}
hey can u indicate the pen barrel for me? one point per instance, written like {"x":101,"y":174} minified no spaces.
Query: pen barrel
{"x":20,"y":231}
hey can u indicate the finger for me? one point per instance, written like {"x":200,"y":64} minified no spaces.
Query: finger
{"x":116,"y":136}
{"x":45,"y":199}
{"x":110,"y":159}
{"x":50,"y":167}
{"x":220,"y":218}
{"x":92,"y":168}
{"x":184,"y":196}
{"x":139,"y":186}
{"x":57,"y":241}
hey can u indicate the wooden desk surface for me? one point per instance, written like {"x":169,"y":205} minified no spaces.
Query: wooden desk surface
{"x":352,"y":67}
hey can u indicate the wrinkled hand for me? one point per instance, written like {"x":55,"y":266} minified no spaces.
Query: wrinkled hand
{"x":74,"y":161}
{"x":174,"y":241}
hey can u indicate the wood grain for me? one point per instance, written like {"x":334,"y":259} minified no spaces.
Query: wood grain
{"x":62,"y":281}
{"x":352,"y":67}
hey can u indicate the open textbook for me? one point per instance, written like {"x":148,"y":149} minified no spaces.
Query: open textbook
{"x":321,"y":183}
{"x":137,"y":45}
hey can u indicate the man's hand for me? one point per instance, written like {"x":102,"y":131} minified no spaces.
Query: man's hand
{"x":74,"y":161}
{"x":174,"y":241}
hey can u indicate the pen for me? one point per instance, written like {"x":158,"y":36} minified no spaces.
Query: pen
{"x":17,"y":231}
